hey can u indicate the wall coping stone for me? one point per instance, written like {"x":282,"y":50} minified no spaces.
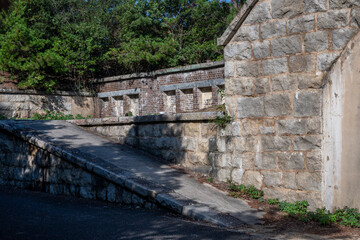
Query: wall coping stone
{"x":237,"y":22}
{"x":163,"y":118}
{"x":190,"y":85}
{"x":119,"y":93}
{"x":160,"y":72}
{"x":34,"y":92}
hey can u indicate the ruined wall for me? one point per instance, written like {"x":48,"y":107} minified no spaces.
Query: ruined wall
{"x":342,"y":130}
{"x":175,"y":90}
{"x":275,"y":66}
{"x":24,"y":103}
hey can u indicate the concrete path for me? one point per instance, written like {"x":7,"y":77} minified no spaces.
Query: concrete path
{"x":64,"y":134}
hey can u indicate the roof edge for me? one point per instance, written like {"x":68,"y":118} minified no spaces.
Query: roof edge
{"x":236,"y":22}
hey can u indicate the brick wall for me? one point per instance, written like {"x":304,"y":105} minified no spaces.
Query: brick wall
{"x":172,"y":90}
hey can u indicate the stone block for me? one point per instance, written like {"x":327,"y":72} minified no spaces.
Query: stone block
{"x":277,"y":105}
{"x":302,"y":63}
{"x":326,"y":60}
{"x":340,"y":37}
{"x":262,"y":85}
{"x":245,"y":144}
{"x":287,"y":8}
{"x":248,"y":69}
{"x":289,"y":180}
{"x":192,"y":129}
{"x":265,"y":161}
{"x":306,"y":143}
{"x":314,"y":161}
{"x":243,"y":160}
{"x":301,"y":24}
{"x":309,"y":181}
{"x":316,"y":41}
{"x":291,"y":161}
{"x":284,"y":82}
{"x":286,"y":45}
{"x":223,"y":175}
{"x":229,"y":69}
{"x":355,"y":17}
{"x":275,"y":66}
{"x":208,"y":130}
{"x":242,"y":86}
{"x":250,"y":107}
{"x":333,"y":19}
{"x":313,"y":126}
{"x":260,"y":13}
{"x":272,"y":179}
{"x":261,"y":49}
{"x":253,"y":178}
{"x":267,"y":130}
{"x":87,"y":192}
{"x":312,"y":6}
{"x":291,"y":126}
{"x":313,"y":81}
{"x":271,"y":193}
{"x":238,"y":51}
{"x":344,"y":3}
{"x":307,"y":104}
{"x":247,"y":33}
{"x":245,"y":128}
{"x":236,"y":175}
{"x":275,"y":143}
{"x":111,"y":193}
{"x":273,"y":29}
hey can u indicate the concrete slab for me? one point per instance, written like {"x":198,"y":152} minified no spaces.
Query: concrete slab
{"x":140,"y":173}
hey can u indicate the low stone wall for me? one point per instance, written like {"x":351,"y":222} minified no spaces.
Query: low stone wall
{"x":28,"y":166}
{"x":234,"y":153}
{"x":24,"y":103}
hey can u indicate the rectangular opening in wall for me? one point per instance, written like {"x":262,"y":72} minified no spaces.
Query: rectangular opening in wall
{"x":188,"y":100}
{"x":119,"y":106}
{"x":221,"y":90}
{"x":134,"y":104}
{"x":170,"y":101}
{"x":206,"y":97}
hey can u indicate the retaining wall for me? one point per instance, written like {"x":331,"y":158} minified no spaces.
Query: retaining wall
{"x":24,"y":103}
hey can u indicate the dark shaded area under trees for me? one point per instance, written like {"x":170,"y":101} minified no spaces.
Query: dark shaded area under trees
{"x":46,"y":44}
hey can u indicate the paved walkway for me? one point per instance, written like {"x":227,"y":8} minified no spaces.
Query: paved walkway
{"x":65,"y":134}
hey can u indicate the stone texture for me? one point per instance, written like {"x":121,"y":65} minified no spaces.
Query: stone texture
{"x":287,"y":8}
{"x":310,"y":81}
{"x":275,"y":66}
{"x":355,"y":17}
{"x":277,"y":105}
{"x":284,"y":82}
{"x":341,"y":37}
{"x":291,"y":126}
{"x":245,"y":144}
{"x":259,"y":14}
{"x":313,"y":126}
{"x":241,"y":86}
{"x":289,"y":179}
{"x":302,"y":63}
{"x":333,"y":19}
{"x":273,"y":29}
{"x":239,"y":51}
{"x":262,"y":85}
{"x":312,"y":6}
{"x":326,"y":60}
{"x":265,"y":161}
{"x":261,"y":49}
{"x":286,"y":45}
{"x":307,"y":104}
{"x":314,"y":161}
{"x":344,"y":3}
{"x":245,"y":128}
{"x":306,"y":143}
{"x":316,"y":41}
{"x":250,"y":107}
{"x":253,"y":178}
{"x":247,"y":33}
{"x":248,"y":69}
{"x":272,"y":179}
{"x":229,"y":70}
{"x":301,"y":24}
{"x":309,"y":181}
{"x":271,"y":143}
{"x":291,"y":161}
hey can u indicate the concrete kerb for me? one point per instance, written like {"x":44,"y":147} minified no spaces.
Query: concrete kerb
{"x":162,"y":196}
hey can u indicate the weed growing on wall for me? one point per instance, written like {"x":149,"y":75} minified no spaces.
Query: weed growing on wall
{"x":223,"y":118}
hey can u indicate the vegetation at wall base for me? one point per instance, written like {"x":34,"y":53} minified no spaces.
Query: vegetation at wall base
{"x":3,"y":117}
{"x":45,"y":42}
{"x":349,"y":217}
{"x":53,"y":115}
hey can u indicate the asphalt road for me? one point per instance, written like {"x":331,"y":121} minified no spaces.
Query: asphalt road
{"x":33,"y":215}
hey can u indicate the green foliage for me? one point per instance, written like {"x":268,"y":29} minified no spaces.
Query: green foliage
{"x":210,"y":180}
{"x":242,"y":190}
{"x":299,"y":208}
{"x":45,"y":42}
{"x":53,"y":115}
{"x":274,"y":201}
{"x":348,"y":217}
{"x":224,"y":118}
{"x":129,"y":114}
{"x":3,"y":117}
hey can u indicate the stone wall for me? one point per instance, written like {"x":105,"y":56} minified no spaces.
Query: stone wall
{"x":277,"y":56}
{"x":175,"y":90}
{"x":24,"y":103}
{"x":27,"y":166}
